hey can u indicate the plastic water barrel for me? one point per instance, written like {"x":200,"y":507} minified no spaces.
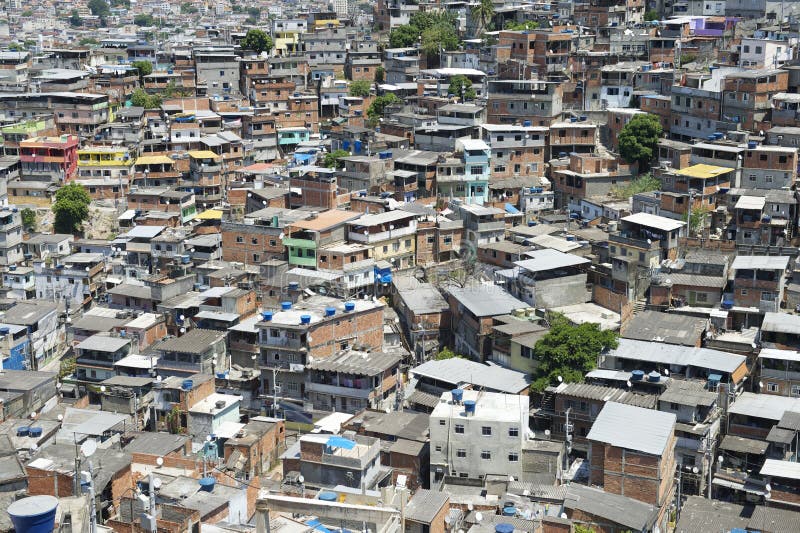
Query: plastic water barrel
{"x":35,"y":514}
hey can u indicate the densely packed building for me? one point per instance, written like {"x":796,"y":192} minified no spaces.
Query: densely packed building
{"x":399,"y":266}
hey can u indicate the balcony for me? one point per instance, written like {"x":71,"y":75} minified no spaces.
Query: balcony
{"x":629,"y":240}
{"x":337,"y":390}
{"x":382,"y":235}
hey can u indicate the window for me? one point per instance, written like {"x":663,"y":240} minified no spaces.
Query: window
{"x":438,"y":448}
{"x":486,"y":431}
{"x":460,"y":428}
{"x":795,"y":390}
{"x":442,"y":422}
{"x":239,"y":239}
{"x":486,"y":455}
{"x":513,"y":457}
{"x":461,"y":452}
{"x":772,"y":387}
{"x":513,"y":432}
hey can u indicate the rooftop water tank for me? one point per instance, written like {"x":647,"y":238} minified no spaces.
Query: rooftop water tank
{"x":637,"y":375}
{"x":330,"y":311}
{"x":469,"y":407}
{"x":207,"y":483}
{"x":458,"y":395}
{"x":305,"y":319}
{"x":185,"y":259}
{"x":503,"y":528}
{"x":286,"y":305}
{"x":328,"y":496}
{"x":23,"y":431}
{"x":509,"y":511}
{"x":35,"y":514}
{"x":293,"y":286}
{"x":267,"y":316}
{"x":653,"y":377}
{"x":35,"y":432}
{"x":187,"y":384}
{"x":751,"y":144}
{"x":5,"y":330}
{"x":349,"y":306}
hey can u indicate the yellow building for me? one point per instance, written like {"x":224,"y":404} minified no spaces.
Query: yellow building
{"x":105,"y":162}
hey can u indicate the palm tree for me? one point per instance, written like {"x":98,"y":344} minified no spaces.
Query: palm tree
{"x":483,"y":12}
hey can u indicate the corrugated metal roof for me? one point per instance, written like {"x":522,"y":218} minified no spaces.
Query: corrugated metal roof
{"x":633,"y":428}
{"x":456,"y":371}
{"x":669,"y":354}
{"x":618,"y":509}
{"x":781,"y":469}
{"x":760,"y":262}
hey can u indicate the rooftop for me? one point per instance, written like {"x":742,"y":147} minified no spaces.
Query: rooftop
{"x":489,"y":406}
{"x":633,"y":428}
{"x":457,"y":371}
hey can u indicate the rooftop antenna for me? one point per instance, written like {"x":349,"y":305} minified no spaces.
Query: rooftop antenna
{"x":88,"y":448}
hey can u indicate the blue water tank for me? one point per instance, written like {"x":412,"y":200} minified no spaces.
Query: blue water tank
{"x":286,"y":305}
{"x":330,"y":311}
{"x":509,"y":511}
{"x":267,"y":316}
{"x":752,"y":144}
{"x":357,"y":147}
{"x":637,"y":375}
{"x":207,"y":483}
{"x":653,"y":377}
{"x":35,"y":432}
{"x":221,"y":375}
{"x":293,"y":285}
{"x":573,"y":119}
{"x":185,"y":259}
{"x":458,"y":395}
{"x":23,"y":431}
{"x":583,"y":118}
{"x":469,"y":407}
{"x":503,"y":528}
{"x":349,"y":306}
{"x":187,"y":384}
{"x":526,"y":123}
{"x":5,"y":330}
{"x":328,"y":496}
{"x":305,"y":319}
{"x":35,"y":514}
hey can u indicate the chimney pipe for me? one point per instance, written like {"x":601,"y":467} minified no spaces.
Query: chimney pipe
{"x":262,"y":517}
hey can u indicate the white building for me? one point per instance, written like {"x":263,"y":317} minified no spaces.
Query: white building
{"x":478,"y":434}
{"x":765,"y":53}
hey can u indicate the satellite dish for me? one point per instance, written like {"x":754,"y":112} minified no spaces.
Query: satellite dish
{"x":160,"y":461}
{"x":760,"y":384}
{"x":478,"y":516}
{"x":695,"y":470}
{"x":470,"y":506}
{"x":560,"y":379}
{"x":666,"y":371}
{"x":208,"y":438}
{"x":547,"y":433}
{"x":387,"y":410}
{"x":34,"y":447}
{"x":102,"y":388}
{"x":156,"y":483}
{"x":33,"y":415}
{"x":628,"y":383}
{"x":447,"y":520}
{"x":564,"y":516}
{"x":60,"y":418}
{"x":88,"y":447}
{"x":301,"y":479}
{"x":510,"y":479}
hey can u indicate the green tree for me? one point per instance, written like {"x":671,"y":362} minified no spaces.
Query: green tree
{"x":66,"y":367}
{"x":644,"y":183}
{"x":28,"y":218}
{"x":187,"y":8}
{"x":27,"y":13}
{"x":88,"y":41}
{"x":461,"y":86}
{"x":257,"y":40}
{"x":447,"y":353}
{"x":380,"y":103}
{"x":403,"y":36}
{"x":333,"y":159}
{"x":360,"y":88}
{"x":522,"y":26}
{"x":71,"y":208}
{"x":254,"y":12}
{"x":568,"y":351}
{"x":75,"y":19}
{"x":578,"y":528}
{"x":483,"y":13}
{"x":99,"y":8}
{"x":144,"y":19}
{"x":651,"y":15}
{"x":440,"y":37}
{"x":140,"y":98}
{"x":697,"y":220}
{"x":638,"y":139}
{"x":380,"y":75}
{"x":144,"y":67}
